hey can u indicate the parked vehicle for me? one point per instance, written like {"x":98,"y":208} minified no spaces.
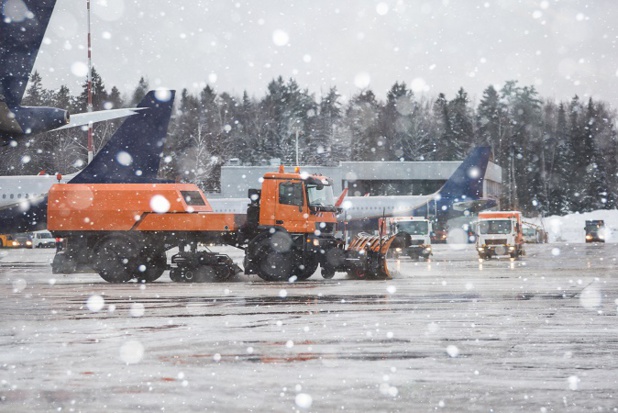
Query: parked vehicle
{"x":23,"y":240}
{"x":43,"y":239}
{"x":533,"y":234}
{"x":7,"y":241}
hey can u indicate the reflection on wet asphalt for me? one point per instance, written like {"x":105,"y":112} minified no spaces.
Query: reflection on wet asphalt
{"x":449,"y":334}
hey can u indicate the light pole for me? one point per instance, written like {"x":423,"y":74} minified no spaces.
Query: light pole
{"x":90,"y":140}
{"x":297,"y":164}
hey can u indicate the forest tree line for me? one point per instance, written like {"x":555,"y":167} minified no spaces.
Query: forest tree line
{"x":556,"y":157}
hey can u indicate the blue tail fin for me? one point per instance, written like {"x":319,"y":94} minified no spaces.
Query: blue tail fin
{"x":133,"y":153}
{"x":466,"y":183}
{"x":22,"y":27}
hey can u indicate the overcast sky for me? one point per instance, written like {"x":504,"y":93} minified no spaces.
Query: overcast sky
{"x":562,"y":47}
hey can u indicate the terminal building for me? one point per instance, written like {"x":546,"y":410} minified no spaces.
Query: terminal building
{"x":366,"y":178}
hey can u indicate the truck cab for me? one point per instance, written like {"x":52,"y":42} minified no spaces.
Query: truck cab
{"x":499,"y":233}
{"x":412,"y":236}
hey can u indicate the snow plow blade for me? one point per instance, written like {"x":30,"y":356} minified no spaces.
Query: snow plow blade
{"x":366,"y":257}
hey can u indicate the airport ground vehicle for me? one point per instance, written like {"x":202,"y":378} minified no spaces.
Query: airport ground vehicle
{"x":124,"y":230}
{"x":499,"y":233}
{"x":533,"y":234}
{"x":7,"y":241}
{"x":595,"y":230}
{"x":412,"y":236}
{"x":22,"y":240}
{"x":43,"y":239}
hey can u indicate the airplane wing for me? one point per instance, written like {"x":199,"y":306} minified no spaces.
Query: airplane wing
{"x":82,"y":119}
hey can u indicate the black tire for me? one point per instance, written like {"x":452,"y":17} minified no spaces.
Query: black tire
{"x":273,"y":263}
{"x":307,"y":269}
{"x":61,"y":264}
{"x":176,"y":275}
{"x":328,"y":272}
{"x":275,"y":266}
{"x":154,"y":268}
{"x":115,"y":259}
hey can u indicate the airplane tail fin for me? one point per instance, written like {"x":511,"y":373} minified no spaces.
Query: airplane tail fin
{"x":133,"y":153}
{"x":341,"y":198}
{"x":466,"y":183}
{"x":22,"y":28}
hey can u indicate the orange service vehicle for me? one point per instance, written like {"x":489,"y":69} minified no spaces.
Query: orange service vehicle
{"x":123,"y":231}
{"x":499,"y":233}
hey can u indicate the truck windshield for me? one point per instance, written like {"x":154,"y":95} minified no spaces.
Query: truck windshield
{"x":413,"y":227}
{"x":495,"y":226}
{"x":320,"y":197}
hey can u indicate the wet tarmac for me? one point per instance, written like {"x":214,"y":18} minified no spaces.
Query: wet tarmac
{"x":452,"y":334}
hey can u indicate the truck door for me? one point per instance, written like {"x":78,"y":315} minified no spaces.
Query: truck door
{"x":291,"y":211}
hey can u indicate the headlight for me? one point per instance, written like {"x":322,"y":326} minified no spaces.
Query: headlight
{"x":511,"y":248}
{"x":316,"y":242}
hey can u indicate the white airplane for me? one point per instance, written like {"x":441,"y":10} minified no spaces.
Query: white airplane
{"x":462,"y":191}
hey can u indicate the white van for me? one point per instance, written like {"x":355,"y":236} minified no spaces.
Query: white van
{"x":43,"y":239}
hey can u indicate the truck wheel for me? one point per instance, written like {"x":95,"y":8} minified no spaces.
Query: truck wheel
{"x":63,"y":264}
{"x":328,"y":272}
{"x":177,"y":275}
{"x":275,"y":266}
{"x":308,"y":268}
{"x":272,"y":256}
{"x":154,"y":268}
{"x":115,"y":259}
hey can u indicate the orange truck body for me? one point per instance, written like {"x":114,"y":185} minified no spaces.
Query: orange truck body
{"x":134,"y":207}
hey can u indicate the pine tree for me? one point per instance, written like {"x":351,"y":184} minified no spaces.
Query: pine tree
{"x":595,"y":193}
{"x":34,"y":94}
{"x":560,"y":184}
{"x":462,"y":130}
{"x":493,"y":125}
{"x":322,"y":148}
{"x":140,"y":91}
{"x":362,"y":121}
{"x":114,"y":100}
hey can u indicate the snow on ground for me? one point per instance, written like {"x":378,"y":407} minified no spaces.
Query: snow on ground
{"x":570,"y":228}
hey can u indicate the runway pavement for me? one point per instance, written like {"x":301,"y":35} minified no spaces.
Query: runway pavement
{"x":452,"y":334}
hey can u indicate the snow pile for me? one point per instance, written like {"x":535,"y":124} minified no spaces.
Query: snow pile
{"x":570,"y":228}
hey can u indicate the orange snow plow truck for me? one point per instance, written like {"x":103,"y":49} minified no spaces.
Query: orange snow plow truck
{"x":499,"y":233}
{"x":123,"y":232}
